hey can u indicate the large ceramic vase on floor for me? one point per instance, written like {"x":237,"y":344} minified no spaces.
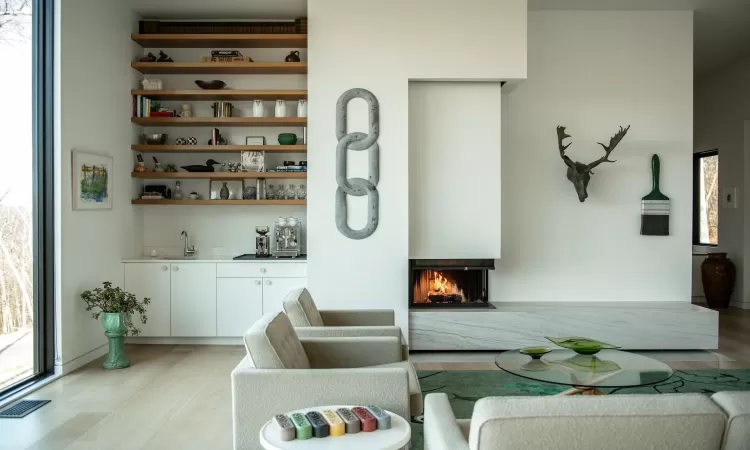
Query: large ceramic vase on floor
{"x":114,"y":326}
{"x":718,"y":274}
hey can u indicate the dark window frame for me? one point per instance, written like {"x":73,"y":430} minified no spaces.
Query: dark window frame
{"x":43,"y":195}
{"x":696,"y":195}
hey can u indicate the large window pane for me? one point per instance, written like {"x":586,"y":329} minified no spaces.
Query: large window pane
{"x":706,"y":172}
{"x":17,"y":337}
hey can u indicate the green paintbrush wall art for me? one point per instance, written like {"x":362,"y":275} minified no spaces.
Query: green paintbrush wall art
{"x":655,"y":206}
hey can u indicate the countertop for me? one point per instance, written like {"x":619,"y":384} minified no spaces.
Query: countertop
{"x":212,"y":258}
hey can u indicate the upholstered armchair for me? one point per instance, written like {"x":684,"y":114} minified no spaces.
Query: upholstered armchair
{"x":309,"y":321}
{"x":282,"y":373}
{"x":614,"y":422}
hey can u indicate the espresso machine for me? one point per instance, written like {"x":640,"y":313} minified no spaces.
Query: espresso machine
{"x":262,"y":241}
{"x":288,"y":239}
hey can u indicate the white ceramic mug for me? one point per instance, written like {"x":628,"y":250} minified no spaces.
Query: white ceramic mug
{"x":258,"y":109}
{"x":280,"y":108}
{"x":193,"y":196}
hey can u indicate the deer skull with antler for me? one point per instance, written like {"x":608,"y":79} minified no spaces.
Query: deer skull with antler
{"x":580,"y":174}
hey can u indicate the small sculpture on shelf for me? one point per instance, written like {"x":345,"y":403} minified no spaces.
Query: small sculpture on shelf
{"x":157,"y":165}
{"x":293,"y":56}
{"x":209,"y":167}
{"x":148,"y":58}
{"x":140,"y":166}
{"x":163,"y":57}
{"x":170,"y":168}
{"x":233,"y":167}
{"x":180,"y":141}
{"x":217,"y":138}
{"x":186,"y":110}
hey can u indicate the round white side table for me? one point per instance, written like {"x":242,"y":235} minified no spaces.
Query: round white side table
{"x":393,"y":439}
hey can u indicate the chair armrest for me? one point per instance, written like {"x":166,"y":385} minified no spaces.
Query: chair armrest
{"x":347,"y":331}
{"x":358,"y":317}
{"x":352,"y":352}
{"x":441,"y":431}
{"x":258,"y":394}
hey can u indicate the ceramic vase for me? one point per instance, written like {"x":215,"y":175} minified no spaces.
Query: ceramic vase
{"x":258,"y":109}
{"x":114,"y":329}
{"x":718,"y":274}
{"x":302,"y":108}
{"x":280,"y":108}
{"x":224,"y":193}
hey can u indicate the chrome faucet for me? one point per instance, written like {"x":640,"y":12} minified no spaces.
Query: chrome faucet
{"x":189,"y":250}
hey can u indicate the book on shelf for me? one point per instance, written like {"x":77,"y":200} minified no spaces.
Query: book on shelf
{"x":217,"y":53}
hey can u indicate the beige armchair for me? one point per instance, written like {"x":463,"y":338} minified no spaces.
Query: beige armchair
{"x":310,"y":322}
{"x":282,"y":372}
{"x":615,"y":422}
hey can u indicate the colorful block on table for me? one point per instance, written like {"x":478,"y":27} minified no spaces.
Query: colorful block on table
{"x":384,"y":420}
{"x":303,"y":426}
{"x":286,"y":429}
{"x":335,"y":424}
{"x":369,"y":422}
{"x":320,"y":427}
{"x":351,"y":421}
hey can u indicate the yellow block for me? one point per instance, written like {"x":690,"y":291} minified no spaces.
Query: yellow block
{"x":335,"y":424}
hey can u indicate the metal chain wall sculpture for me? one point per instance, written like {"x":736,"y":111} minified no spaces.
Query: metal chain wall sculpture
{"x":357,"y":186}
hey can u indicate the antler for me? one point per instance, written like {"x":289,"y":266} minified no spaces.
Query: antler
{"x":561,"y":135}
{"x":608,"y":148}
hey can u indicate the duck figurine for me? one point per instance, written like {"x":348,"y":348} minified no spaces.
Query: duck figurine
{"x":209,"y":167}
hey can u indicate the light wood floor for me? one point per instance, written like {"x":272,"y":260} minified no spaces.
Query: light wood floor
{"x":178,"y":397}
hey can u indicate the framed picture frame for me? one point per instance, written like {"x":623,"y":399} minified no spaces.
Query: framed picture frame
{"x":255,"y":140}
{"x":235,"y":188}
{"x":253,"y":161}
{"x":92,"y":176}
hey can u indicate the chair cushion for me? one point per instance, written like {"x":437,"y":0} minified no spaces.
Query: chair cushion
{"x":415,"y":391}
{"x":301,"y":309}
{"x":271,"y":343}
{"x":737,"y":407}
{"x":614,"y":422}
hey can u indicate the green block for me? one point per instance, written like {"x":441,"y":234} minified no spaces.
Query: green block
{"x":303,"y":426}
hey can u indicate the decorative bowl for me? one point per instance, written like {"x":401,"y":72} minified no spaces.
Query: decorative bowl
{"x":213,"y":84}
{"x":155,"y":139}
{"x":287,"y":139}
{"x":581,"y":345}
{"x":535,"y":352}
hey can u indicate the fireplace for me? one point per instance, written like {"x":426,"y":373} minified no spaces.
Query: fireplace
{"x":449,"y":283}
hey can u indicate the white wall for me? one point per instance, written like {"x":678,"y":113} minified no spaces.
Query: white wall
{"x":722,"y":103}
{"x":92,"y":114}
{"x":221,"y":230}
{"x":380,"y":46}
{"x":592,"y":72}
{"x":454,"y":170}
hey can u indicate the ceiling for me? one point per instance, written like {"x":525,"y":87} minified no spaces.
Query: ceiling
{"x":722,"y":27}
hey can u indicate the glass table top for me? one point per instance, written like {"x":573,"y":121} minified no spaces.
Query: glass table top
{"x":605,"y":369}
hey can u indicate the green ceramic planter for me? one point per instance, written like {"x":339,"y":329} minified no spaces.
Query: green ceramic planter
{"x":114,"y":326}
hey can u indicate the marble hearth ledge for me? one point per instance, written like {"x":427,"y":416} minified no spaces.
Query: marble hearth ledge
{"x":632,"y":325}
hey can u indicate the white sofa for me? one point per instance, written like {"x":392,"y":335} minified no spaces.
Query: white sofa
{"x":616,"y":422}
{"x":282,"y":373}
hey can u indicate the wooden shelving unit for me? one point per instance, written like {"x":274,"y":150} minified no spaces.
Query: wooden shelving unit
{"x":220,"y":40}
{"x":219,"y":148}
{"x":218,"y":202}
{"x":220,"y":121}
{"x":216,"y":175}
{"x":201,"y":68}
{"x":222,"y":94}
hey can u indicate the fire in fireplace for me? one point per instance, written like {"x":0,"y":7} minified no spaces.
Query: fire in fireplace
{"x":449,"y":282}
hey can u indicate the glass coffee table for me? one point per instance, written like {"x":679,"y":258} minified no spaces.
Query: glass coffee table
{"x":586,"y":374}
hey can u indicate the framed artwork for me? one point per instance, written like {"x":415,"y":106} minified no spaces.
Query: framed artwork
{"x":255,"y":140}
{"x":92,"y":177}
{"x":253,"y":161}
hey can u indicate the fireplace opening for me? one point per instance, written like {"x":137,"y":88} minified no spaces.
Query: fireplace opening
{"x":449,"y":283}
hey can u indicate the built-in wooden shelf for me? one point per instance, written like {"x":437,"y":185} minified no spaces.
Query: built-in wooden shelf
{"x":220,"y":121}
{"x":223,"y":94}
{"x":201,"y":68}
{"x":219,"y":148}
{"x":139,"y":201}
{"x":217,"y":175}
{"x":220,"y":40}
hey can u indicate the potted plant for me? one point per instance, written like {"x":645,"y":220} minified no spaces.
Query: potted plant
{"x":116,"y":308}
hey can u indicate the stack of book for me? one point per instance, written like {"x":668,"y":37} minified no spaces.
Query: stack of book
{"x":141,"y":106}
{"x":226,"y":56}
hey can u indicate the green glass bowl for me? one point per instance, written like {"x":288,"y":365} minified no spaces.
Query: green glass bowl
{"x":535,"y":352}
{"x":581,"y":345}
{"x":287,"y":139}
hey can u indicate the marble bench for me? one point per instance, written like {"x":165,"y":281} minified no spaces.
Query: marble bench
{"x":632,"y":325}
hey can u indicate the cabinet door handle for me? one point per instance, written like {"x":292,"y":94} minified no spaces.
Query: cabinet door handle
{"x":163,"y":267}
{"x":262,"y":270}
{"x":175,"y":268}
{"x":257,"y":282}
{"x":268,"y":282}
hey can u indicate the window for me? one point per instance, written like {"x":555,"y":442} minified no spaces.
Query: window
{"x":26,"y":197}
{"x":706,"y":198}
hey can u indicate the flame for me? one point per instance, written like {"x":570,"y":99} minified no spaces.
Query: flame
{"x":440,"y":283}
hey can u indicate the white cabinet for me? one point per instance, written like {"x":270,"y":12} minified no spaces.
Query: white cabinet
{"x":193,"y":310}
{"x":151,"y":280}
{"x":239,"y":303}
{"x":276,"y":289}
